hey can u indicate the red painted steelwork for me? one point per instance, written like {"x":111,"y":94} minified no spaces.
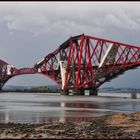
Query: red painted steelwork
{"x":88,"y":65}
{"x":8,"y":71}
{"x":83,"y":55}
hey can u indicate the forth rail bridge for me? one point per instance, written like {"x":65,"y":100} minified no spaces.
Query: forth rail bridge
{"x":80,"y":63}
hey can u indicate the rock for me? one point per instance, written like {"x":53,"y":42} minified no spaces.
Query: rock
{"x":114,"y":126}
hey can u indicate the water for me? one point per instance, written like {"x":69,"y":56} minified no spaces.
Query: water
{"x":47,"y":108}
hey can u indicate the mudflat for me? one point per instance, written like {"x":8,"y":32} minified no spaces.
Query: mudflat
{"x":114,"y":126}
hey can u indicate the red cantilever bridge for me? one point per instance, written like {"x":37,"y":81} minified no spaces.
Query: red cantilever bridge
{"x":81,"y":63}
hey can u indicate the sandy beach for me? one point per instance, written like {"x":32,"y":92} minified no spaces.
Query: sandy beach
{"x":106,"y":127}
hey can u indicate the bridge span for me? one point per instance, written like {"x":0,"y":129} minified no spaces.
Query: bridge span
{"x":81,"y":63}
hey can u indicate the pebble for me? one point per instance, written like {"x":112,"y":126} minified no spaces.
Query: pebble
{"x":96,"y":129}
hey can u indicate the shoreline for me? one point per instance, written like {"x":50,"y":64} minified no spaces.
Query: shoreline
{"x":114,"y":126}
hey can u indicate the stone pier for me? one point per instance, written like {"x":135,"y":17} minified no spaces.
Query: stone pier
{"x":78,"y":92}
{"x":65,"y":92}
{"x":93,"y":92}
{"x":134,"y":95}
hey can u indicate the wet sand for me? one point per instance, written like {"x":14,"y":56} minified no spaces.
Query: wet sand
{"x":117,"y":126}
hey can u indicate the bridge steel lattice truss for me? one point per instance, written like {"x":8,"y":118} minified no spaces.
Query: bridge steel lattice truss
{"x":81,"y":63}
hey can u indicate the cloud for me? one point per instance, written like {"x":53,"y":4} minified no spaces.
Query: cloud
{"x":54,"y":18}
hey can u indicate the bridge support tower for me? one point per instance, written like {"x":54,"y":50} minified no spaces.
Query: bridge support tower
{"x":93,"y":92}
{"x":64,"y":92}
{"x":78,"y":92}
{"x":74,"y":92}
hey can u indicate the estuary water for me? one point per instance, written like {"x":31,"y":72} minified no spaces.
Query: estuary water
{"x":53,"y":107}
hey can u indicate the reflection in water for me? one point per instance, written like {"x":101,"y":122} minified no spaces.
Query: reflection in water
{"x":79,"y":105}
{"x":45,"y":108}
{"x":80,"y":114}
{"x":62,"y":118}
{"x":7,"y":117}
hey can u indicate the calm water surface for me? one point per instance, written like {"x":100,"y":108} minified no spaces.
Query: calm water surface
{"x":47,"y":108}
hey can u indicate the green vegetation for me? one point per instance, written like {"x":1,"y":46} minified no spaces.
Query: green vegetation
{"x":41,"y":89}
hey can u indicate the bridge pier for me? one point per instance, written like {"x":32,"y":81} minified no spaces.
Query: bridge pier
{"x":134,"y":95}
{"x":78,"y":92}
{"x":93,"y":92}
{"x":1,"y":85}
{"x":65,"y":92}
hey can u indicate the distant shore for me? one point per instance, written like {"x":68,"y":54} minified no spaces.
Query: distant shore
{"x":56,"y":89}
{"x":43,"y":89}
{"x":31,"y":91}
{"x":115,"y":126}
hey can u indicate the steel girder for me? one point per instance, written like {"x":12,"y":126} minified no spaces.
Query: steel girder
{"x":88,"y":65}
{"x":88,"y":62}
{"x":7,"y":71}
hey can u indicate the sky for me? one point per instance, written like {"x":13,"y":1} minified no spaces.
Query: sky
{"x":31,"y":30}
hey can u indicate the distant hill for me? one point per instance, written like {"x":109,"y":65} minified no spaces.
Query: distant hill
{"x":27,"y":88}
{"x":12,"y":87}
{"x":118,"y":90}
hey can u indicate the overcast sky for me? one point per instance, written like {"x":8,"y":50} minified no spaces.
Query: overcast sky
{"x":31,"y":30}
